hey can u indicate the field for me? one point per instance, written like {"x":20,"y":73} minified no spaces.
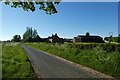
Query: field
{"x":15,"y":63}
{"x":104,"y":57}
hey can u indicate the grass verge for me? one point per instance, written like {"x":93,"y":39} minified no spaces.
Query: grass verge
{"x":15,"y":63}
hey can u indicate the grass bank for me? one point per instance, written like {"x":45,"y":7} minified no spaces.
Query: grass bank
{"x":101,"y":57}
{"x":15,"y":63}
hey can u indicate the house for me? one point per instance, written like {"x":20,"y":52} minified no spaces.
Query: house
{"x":55,"y":39}
{"x":88,"y":38}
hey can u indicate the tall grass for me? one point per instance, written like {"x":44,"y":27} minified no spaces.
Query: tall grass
{"x":15,"y":63}
{"x":102,"y":57}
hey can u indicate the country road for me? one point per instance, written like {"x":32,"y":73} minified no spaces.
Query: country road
{"x":48,"y":66}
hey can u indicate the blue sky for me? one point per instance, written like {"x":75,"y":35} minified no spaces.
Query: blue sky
{"x":73,"y":18}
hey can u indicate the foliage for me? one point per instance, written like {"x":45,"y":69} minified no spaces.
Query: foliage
{"x":102,"y":57}
{"x":31,"y":35}
{"x":112,"y":39}
{"x":27,"y":5}
{"x":37,"y":39}
{"x":119,"y":38}
{"x":16,"y":38}
{"x":15,"y":63}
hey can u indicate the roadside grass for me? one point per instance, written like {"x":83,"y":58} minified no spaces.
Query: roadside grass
{"x":15,"y":63}
{"x":101,"y":57}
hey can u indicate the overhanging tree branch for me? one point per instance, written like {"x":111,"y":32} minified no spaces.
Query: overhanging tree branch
{"x":29,"y":5}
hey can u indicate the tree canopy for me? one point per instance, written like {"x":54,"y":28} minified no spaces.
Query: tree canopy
{"x":16,"y":38}
{"x":29,"y":5}
{"x":31,"y":35}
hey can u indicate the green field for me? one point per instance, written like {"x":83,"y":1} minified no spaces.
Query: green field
{"x":15,"y":63}
{"x":101,"y":57}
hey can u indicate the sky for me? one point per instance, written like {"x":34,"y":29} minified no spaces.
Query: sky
{"x":72,"y":19}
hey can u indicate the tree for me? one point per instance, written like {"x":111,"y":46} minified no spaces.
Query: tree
{"x":29,"y":5}
{"x":16,"y":38}
{"x":38,"y":39}
{"x":30,"y":35}
{"x":30,"y":39}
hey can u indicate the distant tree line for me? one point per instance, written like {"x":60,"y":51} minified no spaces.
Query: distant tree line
{"x":30,"y":35}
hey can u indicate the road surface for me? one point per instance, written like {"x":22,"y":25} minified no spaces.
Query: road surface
{"x":48,"y":66}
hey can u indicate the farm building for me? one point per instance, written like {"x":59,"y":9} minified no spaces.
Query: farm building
{"x":55,"y":39}
{"x":88,"y":38}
